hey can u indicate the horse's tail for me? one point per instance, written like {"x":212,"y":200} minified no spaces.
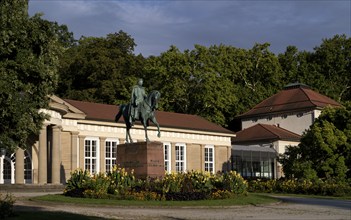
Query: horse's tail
{"x":120,"y":112}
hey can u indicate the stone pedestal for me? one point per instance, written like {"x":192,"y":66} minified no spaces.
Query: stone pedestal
{"x":145,"y":158}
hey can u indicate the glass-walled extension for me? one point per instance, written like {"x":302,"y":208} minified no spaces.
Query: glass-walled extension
{"x":254,"y":162}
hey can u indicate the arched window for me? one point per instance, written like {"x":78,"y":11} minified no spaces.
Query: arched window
{"x":27,"y":167}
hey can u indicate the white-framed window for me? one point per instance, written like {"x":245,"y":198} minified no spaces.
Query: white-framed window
{"x":209,"y":158}
{"x":27,"y":167}
{"x":180,"y":157}
{"x":167,"y":156}
{"x":110,"y":153}
{"x":91,"y":155}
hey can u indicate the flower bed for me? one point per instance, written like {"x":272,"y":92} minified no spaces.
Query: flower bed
{"x":119,"y":184}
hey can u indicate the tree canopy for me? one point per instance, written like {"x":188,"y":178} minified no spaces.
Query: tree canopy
{"x":325,"y":149}
{"x":29,"y":52}
{"x":100,"y":69}
{"x":217,"y":82}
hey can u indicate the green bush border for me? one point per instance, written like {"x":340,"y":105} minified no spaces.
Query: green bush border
{"x":192,"y":185}
{"x":328,"y":187}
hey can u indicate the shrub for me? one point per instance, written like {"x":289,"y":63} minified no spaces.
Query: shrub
{"x":329,"y":187}
{"x":120,"y":181}
{"x":233,"y":182}
{"x":119,"y":184}
{"x":196,"y":181}
{"x":97,"y":186}
{"x":6,"y":206}
{"x":221,"y":194}
{"x":172,"y":183}
{"x":144,"y":196}
{"x":76,"y":185}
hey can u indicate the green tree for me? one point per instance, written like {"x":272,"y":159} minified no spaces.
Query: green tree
{"x":260,"y":76}
{"x":100,"y":69}
{"x":212,"y":89}
{"x":195,"y":82}
{"x":29,"y":52}
{"x":325,"y":148}
{"x":64,"y":36}
{"x":216,"y":82}
{"x":326,"y":69}
{"x":296,"y":66}
{"x":333,"y":61}
{"x":170,"y":73}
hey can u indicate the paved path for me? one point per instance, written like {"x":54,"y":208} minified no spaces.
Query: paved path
{"x":290,"y":208}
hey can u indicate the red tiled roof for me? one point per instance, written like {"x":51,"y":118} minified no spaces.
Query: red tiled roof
{"x":264,"y":132}
{"x":104,"y":112}
{"x":294,"y":97}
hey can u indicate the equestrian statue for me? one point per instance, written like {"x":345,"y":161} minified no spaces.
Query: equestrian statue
{"x":141,"y":108}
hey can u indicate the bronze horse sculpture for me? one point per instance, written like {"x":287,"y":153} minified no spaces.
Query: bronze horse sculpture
{"x":147,"y":112}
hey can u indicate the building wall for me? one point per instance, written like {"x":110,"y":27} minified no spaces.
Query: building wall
{"x":222,"y":158}
{"x":62,"y":141}
{"x":296,"y":122}
{"x":74,"y":133}
{"x":194,"y":157}
{"x":66,"y":149}
{"x":280,"y":146}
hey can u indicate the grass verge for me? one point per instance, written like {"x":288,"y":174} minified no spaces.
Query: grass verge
{"x":309,"y":196}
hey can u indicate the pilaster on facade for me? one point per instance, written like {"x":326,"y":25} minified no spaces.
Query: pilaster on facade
{"x":43,"y":161}
{"x":56,"y":154}
{"x":74,"y":150}
{"x":202,"y":156}
{"x":19,"y":166}
{"x":173,"y":153}
{"x":102,"y":155}
{"x":229,"y":153}
{"x":80,"y":156}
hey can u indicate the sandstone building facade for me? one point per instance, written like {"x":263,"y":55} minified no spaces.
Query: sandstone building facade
{"x":84,"y":135}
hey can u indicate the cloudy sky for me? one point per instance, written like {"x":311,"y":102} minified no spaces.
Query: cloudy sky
{"x":157,"y":24}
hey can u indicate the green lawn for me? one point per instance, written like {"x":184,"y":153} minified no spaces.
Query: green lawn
{"x":251,"y":199}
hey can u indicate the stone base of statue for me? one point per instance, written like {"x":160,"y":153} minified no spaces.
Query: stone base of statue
{"x":145,"y":158}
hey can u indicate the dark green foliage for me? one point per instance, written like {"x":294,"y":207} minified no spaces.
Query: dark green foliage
{"x":6,"y":206}
{"x":325,"y":149}
{"x":119,"y":184}
{"x":216,"y":83}
{"x":29,"y":53}
{"x":326,"y":69}
{"x":295,"y":186}
{"x":76,"y":185}
{"x":100,"y":69}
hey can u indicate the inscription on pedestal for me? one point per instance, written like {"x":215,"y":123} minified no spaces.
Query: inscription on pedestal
{"x":145,"y":158}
